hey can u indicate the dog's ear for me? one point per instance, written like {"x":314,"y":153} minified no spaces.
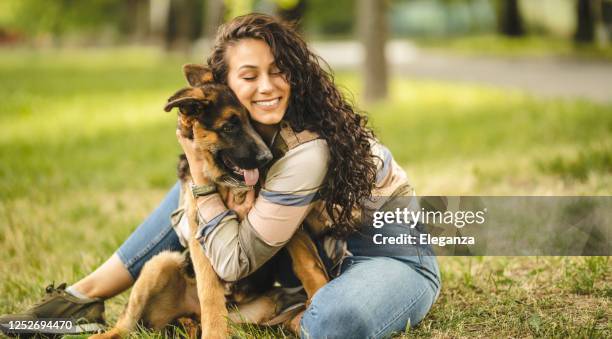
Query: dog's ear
{"x":197,"y":75}
{"x":185,"y":99}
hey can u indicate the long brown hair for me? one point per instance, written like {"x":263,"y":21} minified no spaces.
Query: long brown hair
{"x":315,"y":104}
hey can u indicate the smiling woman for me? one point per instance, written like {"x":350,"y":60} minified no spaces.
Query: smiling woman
{"x":326,"y":164}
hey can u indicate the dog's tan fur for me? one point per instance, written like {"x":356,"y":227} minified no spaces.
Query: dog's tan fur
{"x":165,"y":292}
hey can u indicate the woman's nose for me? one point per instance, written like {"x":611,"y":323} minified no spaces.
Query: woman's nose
{"x":265,"y":85}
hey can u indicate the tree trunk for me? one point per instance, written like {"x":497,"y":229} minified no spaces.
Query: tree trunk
{"x":372,"y":29}
{"x":510,"y":20}
{"x":601,"y":30}
{"x":181,"y":24}
{"x":585,"y":24}
{"x":215,"y":12}
{"x":136,"y":19}
{"x":159,"y":14}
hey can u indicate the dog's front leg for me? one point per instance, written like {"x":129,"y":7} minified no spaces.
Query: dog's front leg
{"x":210,"y":290}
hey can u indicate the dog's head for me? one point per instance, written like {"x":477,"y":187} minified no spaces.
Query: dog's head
{"x":211,"y":115}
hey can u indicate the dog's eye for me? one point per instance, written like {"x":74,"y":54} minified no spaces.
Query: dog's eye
{"x":229,"y":128}
{"x":191,"y":109}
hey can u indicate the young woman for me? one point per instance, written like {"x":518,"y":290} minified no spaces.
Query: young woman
{"x":325,"y":159}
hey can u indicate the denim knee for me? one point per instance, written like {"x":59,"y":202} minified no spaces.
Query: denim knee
{"x":347,"y":320}
{"x":374,"y":297}
{"x":335,"y":320}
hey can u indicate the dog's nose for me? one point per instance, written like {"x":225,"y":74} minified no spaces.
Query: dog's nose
{"x":264,"y":157}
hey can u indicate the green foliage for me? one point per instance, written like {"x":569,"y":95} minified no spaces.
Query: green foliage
{"x":286,"y":4}
{"x":236,"y":8}
{"x":60,"y":16}
{"x":332,"y":18}
{"x":7,"y":12}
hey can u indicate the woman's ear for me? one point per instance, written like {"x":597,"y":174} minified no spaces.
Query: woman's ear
{"x":197,"y":75}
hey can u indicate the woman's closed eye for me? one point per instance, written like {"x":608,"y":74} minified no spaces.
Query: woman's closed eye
{"x":254,"y":77}
{"x":275,"y":71}
{"x":248,"y":73}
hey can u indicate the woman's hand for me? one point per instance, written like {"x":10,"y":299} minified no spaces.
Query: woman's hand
{"x":241,"y":205}
{"x":196,"y":163}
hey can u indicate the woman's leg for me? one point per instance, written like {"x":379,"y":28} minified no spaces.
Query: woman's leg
{"x":372,"y":298}
{"x":108,"y":280}
{"x":120,"y":271}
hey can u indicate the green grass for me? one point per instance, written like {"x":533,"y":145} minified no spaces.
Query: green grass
{"x":579,"y":167}
{"x":464,"y":139}
{"x":519,"y":297}
{"x":528,"y":46}
{"x":86,"y":152}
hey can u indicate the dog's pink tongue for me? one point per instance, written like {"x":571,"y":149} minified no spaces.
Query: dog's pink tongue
{"x":251,"y":176}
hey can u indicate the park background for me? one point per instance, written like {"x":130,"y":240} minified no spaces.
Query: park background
{"x":473,"y":97}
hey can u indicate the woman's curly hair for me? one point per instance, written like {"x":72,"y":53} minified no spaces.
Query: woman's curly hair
{"x":315,"y":104}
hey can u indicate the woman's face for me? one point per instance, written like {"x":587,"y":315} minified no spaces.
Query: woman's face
{"x":256,"y":81}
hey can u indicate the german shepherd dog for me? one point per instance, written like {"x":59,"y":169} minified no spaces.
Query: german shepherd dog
{"x":174,"y":285}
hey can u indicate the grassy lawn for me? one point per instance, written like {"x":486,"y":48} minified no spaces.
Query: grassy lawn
{"x":86,"y":152}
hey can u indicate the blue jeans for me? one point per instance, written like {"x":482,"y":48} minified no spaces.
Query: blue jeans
{"x":379,"y":291}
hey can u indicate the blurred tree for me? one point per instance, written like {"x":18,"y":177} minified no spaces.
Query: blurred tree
{"x":509,"y":18}
{"x":458,"y":17}
{"x":585,"y":25}
{"x":58,"y":17}
{"x":372,"y":30}
{"x":330,"y":18}
{"x":184,"y":24}
{"x":602,"y":36}
{"x":238,"y":7}
{"x":135,"y":20}
{"x":600,"y":29}
{"x":175,"y":23}
{"x":159,"y":14}
{"x":591,"y":22}
{"x":214,"y":12}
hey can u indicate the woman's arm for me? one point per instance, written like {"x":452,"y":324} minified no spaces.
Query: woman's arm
{"x":236,"y":249}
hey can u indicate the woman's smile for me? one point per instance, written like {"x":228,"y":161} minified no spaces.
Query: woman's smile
{"x":270,"y":104}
